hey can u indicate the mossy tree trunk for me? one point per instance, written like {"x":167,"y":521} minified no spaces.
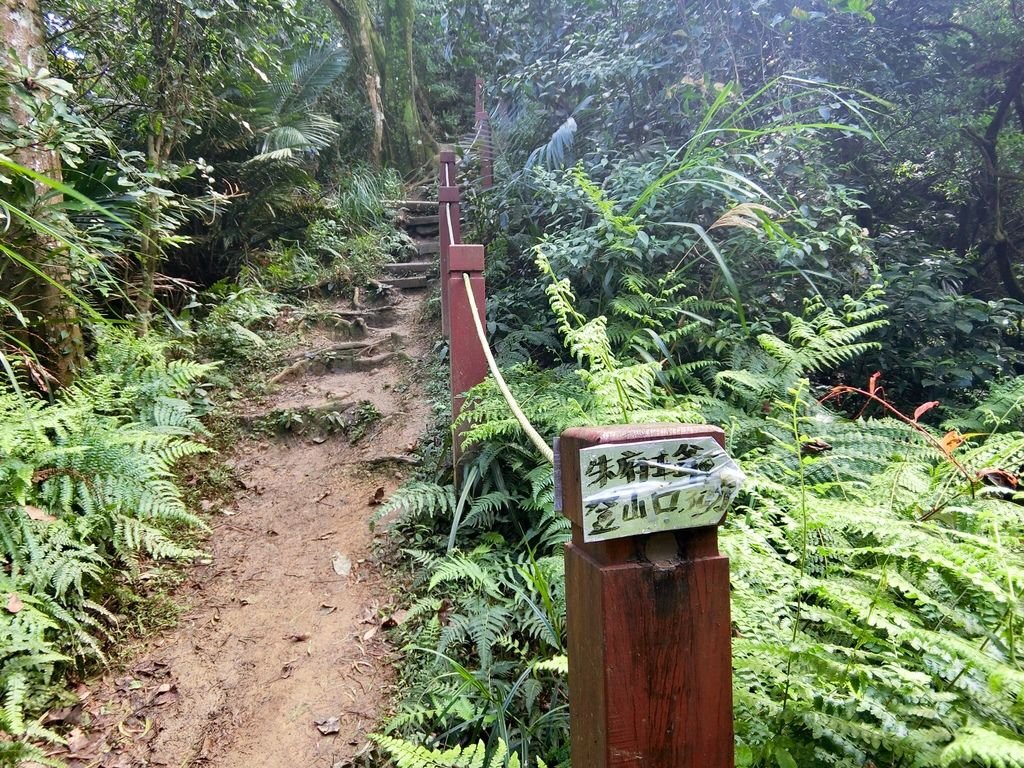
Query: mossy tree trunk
{"x":55,"y":329}
{"x":357,"y":21}
{"x":386,"y":62}
{"x":408,"y":144}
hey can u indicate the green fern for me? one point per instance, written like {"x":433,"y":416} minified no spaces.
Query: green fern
{"x":980,"y":746}
{"x":409,"y":755}
{"x":86,"y":493}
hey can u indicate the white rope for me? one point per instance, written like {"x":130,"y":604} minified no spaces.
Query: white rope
{"x":448,"y":206}
{"x":451,"y":229}
{"x":535,"y":438}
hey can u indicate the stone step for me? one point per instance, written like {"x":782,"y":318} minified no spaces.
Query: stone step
{"x":428,"y":247}
{"x":413,"y":205}
{"x":372,"y":317}
{"x":419,"y":281}
{"x":411,"y":268}
{"x":421,"y":221}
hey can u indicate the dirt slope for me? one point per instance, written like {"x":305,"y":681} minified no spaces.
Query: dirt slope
{"x":283,"y":629}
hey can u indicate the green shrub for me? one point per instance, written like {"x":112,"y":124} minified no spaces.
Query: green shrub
{"x":87,"y":494}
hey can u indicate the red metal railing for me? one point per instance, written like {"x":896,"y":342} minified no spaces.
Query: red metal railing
{"x":648,"y":611}
{"x":467,"y":359}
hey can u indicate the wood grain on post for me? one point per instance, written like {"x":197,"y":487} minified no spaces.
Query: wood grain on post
{"x":468,"y":362}
{"x":447,"y":207}
{"x":649,"y":631}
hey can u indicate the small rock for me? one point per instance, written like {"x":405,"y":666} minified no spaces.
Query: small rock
{"x":328,"y":726}
{"x":342,"y":565}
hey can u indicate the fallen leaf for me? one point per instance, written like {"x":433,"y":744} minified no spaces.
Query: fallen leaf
{"x":873,"y":382}
{"x":328,"y":726}
{"x":64,"y":716}
{"x":396,"y":619}
{"x":814,"y":447}
{"x":377,"y":498}
{"x":327,"y":609}
{"x":166,"y":694}
{"x":118,"y":760}
{"x":14,"y":603}
{"x":999,"y":478}
{"x":151,"y":667}
{"x":368,"y":635}
{"x":37,"y":513}
{"x":342,"y":565}
{"x":951,"y":441}
{"x":81,"y":746}
{"x":444,"y":610}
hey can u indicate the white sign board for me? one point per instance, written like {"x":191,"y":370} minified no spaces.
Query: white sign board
{"x":629,"y":489}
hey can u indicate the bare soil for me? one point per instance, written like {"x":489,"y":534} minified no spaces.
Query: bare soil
{"x":280,"y":658}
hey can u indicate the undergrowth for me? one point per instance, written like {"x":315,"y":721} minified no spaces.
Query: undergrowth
{"x":876,"y":560}
{"x":88,"y":501}
{"x":94,"y":497}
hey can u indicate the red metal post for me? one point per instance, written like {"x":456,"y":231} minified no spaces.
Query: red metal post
{"x":483,"y":129}
{"x":447,"y":197}
{"x":468,"y":363}
{"x":649,"y":631}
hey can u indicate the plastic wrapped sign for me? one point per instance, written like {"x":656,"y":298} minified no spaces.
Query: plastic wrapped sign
{"x":630,"y":489}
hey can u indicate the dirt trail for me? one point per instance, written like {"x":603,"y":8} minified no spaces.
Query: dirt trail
{"x":280,"y":635}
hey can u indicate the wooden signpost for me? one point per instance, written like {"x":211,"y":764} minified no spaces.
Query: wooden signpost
{"x":648,"y":595}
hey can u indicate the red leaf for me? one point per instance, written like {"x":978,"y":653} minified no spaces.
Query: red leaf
{"x":873,"y":381}
{"x":923,"y":409}
{"x":999,"y":477}
{"x":14,"y":603}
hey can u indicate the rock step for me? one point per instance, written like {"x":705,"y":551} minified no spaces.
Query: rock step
{"x":372,"y":317}
{"x":428,"y":247}
{"x":405,"y":283}
{"x":412,"y":205}
{"x":421,"y":221}
{"x":411,"y":268}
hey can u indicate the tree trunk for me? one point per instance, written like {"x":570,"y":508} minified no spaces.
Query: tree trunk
{"x":150,"y":256}
{"x":56,"y":332}
{"x":387,"y":64}
{"x":991,"y":198}
{"x":407,"y":142}
{"x":357,"y":22}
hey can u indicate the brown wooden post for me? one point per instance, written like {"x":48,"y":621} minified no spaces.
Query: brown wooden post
{"x":468,"y":363}
{"x":648,"y":618}
{"x":447,"y":210}
{"x":483,"y":129}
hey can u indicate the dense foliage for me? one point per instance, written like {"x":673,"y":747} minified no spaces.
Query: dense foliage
{"x":172,"y":178}
{"x":737,"y":213}
{"x":798,"y":220}
{"x":87,"y":490}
